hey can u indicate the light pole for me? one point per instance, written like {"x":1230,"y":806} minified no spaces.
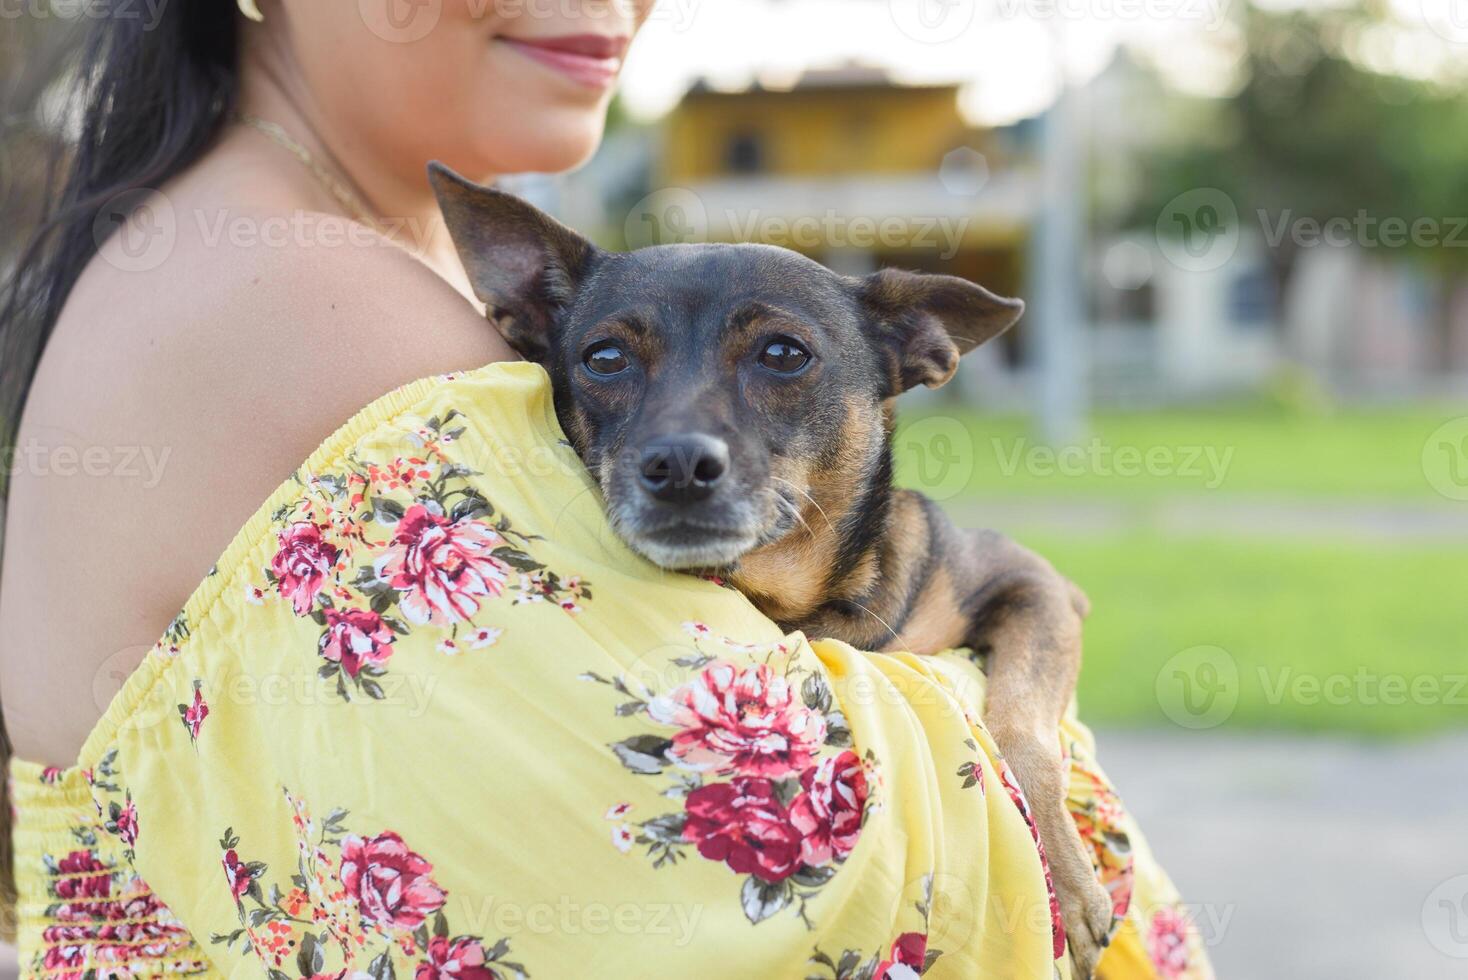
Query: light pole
{"x":1057,"y":338}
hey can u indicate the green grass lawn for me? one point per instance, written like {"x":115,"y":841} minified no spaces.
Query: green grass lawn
{"x":1289,"y":616}
{"x":1329,"y":633}
{"x":1247,"y":449}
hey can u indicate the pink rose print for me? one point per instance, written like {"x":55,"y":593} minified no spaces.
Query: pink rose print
{"x":906,"y":962}
{"x":302,"y":563}
{"x":743,"y":824}
{"x":193,"y":714}
{"x":442,"y":566}
{"x":455,"y":959}
{"x":1120,"y":886}
{"x":1017,"y":796}
{"x":80,"y":875}
{"x":741,"y":719}
{"x":355,"y":638}
{"x":68,"y":957}
{"x":774,"y":794}
{"x":238,"y":874}
{"x":370,"y":899}
{"x":392,"y":885}
{"x":1167,"y":943}
{"x":126,"y":822}
{"x":828,"y":813}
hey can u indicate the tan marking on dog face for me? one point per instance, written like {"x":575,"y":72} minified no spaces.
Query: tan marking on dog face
{"x":787,"y":579}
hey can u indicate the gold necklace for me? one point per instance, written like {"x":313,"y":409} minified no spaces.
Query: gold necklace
{"x":344,"y":195}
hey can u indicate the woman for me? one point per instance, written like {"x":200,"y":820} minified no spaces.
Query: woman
{"x":424,"y":713}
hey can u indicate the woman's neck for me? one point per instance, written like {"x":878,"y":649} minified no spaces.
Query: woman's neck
{"x":401,"y":209}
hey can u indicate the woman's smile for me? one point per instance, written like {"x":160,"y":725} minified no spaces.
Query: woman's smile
{"x":590,"y":60}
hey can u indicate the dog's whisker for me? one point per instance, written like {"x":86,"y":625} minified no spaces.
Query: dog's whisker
{"x":796,"y":513}
{"x":786,"y":504}
{"x":806,"y":494}
{"x":885,"y":625}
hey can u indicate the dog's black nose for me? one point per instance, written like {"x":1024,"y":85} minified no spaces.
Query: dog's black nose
{"x":683,"y":469}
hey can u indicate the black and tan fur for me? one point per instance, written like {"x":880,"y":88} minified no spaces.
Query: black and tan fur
{"x":802,"y":516}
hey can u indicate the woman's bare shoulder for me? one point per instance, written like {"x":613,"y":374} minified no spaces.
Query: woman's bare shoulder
{"x":252,"y":308}
{"x":244,"y":354}
{"x":192,"y":387}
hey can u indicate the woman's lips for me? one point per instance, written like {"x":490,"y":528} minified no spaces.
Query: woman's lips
{"x":591,"y":60}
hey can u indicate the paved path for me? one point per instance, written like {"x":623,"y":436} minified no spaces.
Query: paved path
{"x":1309,"y":858}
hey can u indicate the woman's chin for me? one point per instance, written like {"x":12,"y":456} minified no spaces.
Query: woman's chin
{"x":551,"y":141}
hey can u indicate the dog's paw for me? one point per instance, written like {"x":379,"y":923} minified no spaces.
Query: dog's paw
{"x":1085,"y":907}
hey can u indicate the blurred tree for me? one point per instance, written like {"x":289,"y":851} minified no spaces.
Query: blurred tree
{"x":1312,"y":132}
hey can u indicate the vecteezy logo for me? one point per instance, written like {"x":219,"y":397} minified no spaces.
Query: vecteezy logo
{"x":113,"y":675}
{"x":70,"y":9}
{"x":1127,"y":265}
{"x":142,"y":223}
{"x":952,"y":912}
{"x":1199,"y":687}
{"x":1199,"y":231}
{"x":400,"y":21}
{"x":964,"y":171}
{"x":668,"y":216}
{"x":936,"y":455}
{"x":75,"y":9}
{"x":1447,"y":18}
{"x":1445,"y":459}
{"x":932,"y":21}
{"x":1445,"y":917}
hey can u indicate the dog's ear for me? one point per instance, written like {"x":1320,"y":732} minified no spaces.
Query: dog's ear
{"x":523,"y":264}
{"x":926,"y":322}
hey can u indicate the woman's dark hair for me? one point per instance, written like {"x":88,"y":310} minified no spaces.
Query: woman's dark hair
{"x":148,"y":94}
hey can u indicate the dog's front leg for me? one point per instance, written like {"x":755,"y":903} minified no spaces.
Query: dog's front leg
{"x":1028,"y":621}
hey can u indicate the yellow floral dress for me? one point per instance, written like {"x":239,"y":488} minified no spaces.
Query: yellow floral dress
{"x":429,"y":718}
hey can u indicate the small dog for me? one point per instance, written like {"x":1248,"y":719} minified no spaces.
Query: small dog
{"x":735,"y":404}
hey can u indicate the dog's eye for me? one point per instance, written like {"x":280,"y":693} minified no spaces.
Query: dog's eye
{"x":784,"y":356}
{"x":606,"y":359}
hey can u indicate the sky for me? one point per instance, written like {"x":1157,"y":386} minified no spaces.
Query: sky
{"x":1008,"y":54}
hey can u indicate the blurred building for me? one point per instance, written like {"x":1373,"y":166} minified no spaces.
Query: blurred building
{"x":860,"y":171}
{"x":1166,"y":325}
{"x":845,"y":165}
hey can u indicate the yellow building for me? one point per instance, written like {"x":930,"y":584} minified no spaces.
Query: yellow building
{"x":854,"y":170}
